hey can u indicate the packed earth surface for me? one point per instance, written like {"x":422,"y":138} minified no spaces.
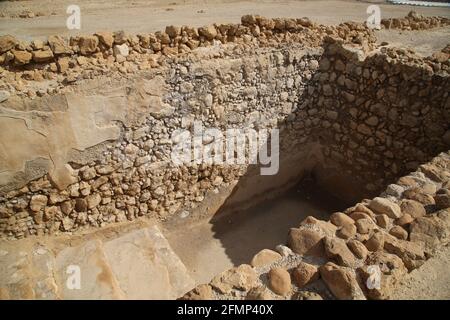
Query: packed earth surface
{"x":358,"y":204}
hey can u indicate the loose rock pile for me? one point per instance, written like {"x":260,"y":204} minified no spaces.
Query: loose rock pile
{"x":396,"y":232}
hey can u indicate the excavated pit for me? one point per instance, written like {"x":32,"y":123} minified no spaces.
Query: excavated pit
{"x":89,"y":172}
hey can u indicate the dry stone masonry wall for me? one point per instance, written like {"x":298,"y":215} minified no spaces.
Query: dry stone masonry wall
{"x":98,"y":151}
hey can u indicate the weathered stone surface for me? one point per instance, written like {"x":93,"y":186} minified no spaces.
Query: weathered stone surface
{"x":414,"y":208}
{"x":88,"y":44}
{"x":347,"y":231}
{"x":306,"y":242}
{"x":38,"y":202}
{"x":358,"y":249}
{"x":365,"y":226}
{"x":341,"y":281}
{"x":376,"y":242}
{"x":399,"y":232}
{"x":265,"y":257}
{"x":7,"y":42}
{"x":385,"y":206}
{"x":340,"y":219}
{"x":411,"y":253}
{"x":442,"y":198}
{"x":305,"y":274}
{"x":42,"y":55}
{"x":21,"y":57}
{"x":337,"y":250}
{"x":201,"y":292}
{"x":279,"y":281}
{"x":239,"y":278}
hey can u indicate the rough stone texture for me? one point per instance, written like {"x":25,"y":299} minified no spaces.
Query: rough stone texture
{"x":279,"y":281}
{"x":265,"y":257}
{"x":341,"y":281}
{"x":136,"y":265}
{"x":305,"y":274}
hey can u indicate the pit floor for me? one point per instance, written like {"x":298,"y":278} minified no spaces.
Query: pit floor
{"x":209,"y":248}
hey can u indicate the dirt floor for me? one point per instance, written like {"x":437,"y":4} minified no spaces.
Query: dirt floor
{"x":209,"y":248}
{"x":429,"y":282}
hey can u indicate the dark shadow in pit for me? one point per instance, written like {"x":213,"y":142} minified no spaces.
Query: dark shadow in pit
{"x":244,"y":232}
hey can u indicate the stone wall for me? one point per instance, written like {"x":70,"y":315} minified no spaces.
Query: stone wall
{"x":97,"y":151}
{"x":394,"y":233}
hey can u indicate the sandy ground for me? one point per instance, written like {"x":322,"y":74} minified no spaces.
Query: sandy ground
{"x":429,"y":282}
{"x":148,"y":16}
{"x":209,"y":248}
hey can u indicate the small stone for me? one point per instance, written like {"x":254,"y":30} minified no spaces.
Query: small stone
{"x":201,"y":292}
{"x":106,"y":38}
{"x":306,"y":242}
{"x":241,"y":278}
{"x":376,"y":242}
{"x":399,"y":232}
{"x":442,"y":198}
{"x":88,"y":44}
{"x":265,"y":257}
{"x":38,"y":202}
{"x":382,"y":220}
{"x":42,"y":55}
{"x":279,"y":281}
{"x":364,"y":226}
{"x":93,"y":200}
{"x":340,"y":219}
{"x":404,"y":220}
{"x":88,"y":173}
{"x":80,"y":205}
{"x":385,"y":206}
{"x":173,"y":31}
{"x":358,"y":249}
{"x":209,"y":32}
{"x":337,"y":250}
{"x":347,"y":231}
{"x":341,"y":281}
{"x":283,"y":250}
{"x":21,"y":57}
{"x":121,"y":50}
{"x":413,"y":208}
{"x":305,"y":274}
{"x":7,"y":42}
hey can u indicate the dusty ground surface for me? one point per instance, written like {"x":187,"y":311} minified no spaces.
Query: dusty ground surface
{"x":208,"y":248}
{"x":148,"y":16}
{"x":429,"y":282}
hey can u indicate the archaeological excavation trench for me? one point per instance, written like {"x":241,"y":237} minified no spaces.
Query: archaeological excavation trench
{"x":87,"y":177}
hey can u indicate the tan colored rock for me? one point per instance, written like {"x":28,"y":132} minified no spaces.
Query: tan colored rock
{"x":279,"y":281}
{"x":265,"y":257}
{"x":42,"y":55}
{"x":7,"y":42}
{"x":399,"y":232}
{"x":404,"y":220}
{"x":358,"y":249}
{"x":209,"y":32}
{"x":376,"y":242}
{"x":385,"y":206}
{"x":414,"y":208}
{"x":347,"y":231}
{"x":201,"y":292}
{"x":442,"y":198}
{"x":340,"y":219}
{"x":306,"y":242}
{"x":324,"y":227}
{"x":418,"y":195}
{"x":382,"y":220}
{"x":242,"y":277}
{"x":21,"y":57}
{"x":305,"y":274}
{"x":106,"y":38}
{"x":173,"y":31}
{"x":429,"y":229}
{"x":58,"y":45}
{"x":392,"y":271}
{"x":341,"y":281}
{"x":358,"y":215}
{"x":38,"y":202}
{"x":260,"y":293}
{"x":93,"y":200}
{"x":88,"y":44}
{"x":365,"y":226}
{"x":337,"y":250}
